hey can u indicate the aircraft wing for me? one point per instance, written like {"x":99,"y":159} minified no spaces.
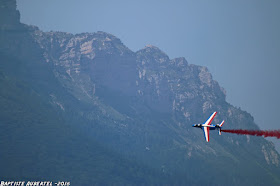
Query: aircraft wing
{"x":206,"y":133}
{"x":208,"y":122}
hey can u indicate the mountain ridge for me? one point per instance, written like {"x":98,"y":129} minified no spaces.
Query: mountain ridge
{"x":112,"y":103}
{"x":160,"y":57}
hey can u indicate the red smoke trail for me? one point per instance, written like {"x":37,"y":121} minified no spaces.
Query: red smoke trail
{"x":264,"y":133}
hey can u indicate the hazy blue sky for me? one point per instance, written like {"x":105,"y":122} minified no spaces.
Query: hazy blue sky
{"x":239,"y":41}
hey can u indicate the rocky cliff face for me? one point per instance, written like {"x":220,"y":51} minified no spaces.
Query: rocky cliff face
{"x":139,"y":105}
{"x":187,"y":93}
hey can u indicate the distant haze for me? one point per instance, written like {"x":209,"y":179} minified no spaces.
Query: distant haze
{"x":238,"y":41}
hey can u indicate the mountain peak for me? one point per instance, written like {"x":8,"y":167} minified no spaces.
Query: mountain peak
{"x":152,"y":48}
{"x":180,"y":62}
{"x":99,"y":35}
{"x":152,"y":53}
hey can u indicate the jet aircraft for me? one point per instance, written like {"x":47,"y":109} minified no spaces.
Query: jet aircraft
{"x":208,"y":126}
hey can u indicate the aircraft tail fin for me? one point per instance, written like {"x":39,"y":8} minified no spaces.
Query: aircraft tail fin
{"x":221,"y":124}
